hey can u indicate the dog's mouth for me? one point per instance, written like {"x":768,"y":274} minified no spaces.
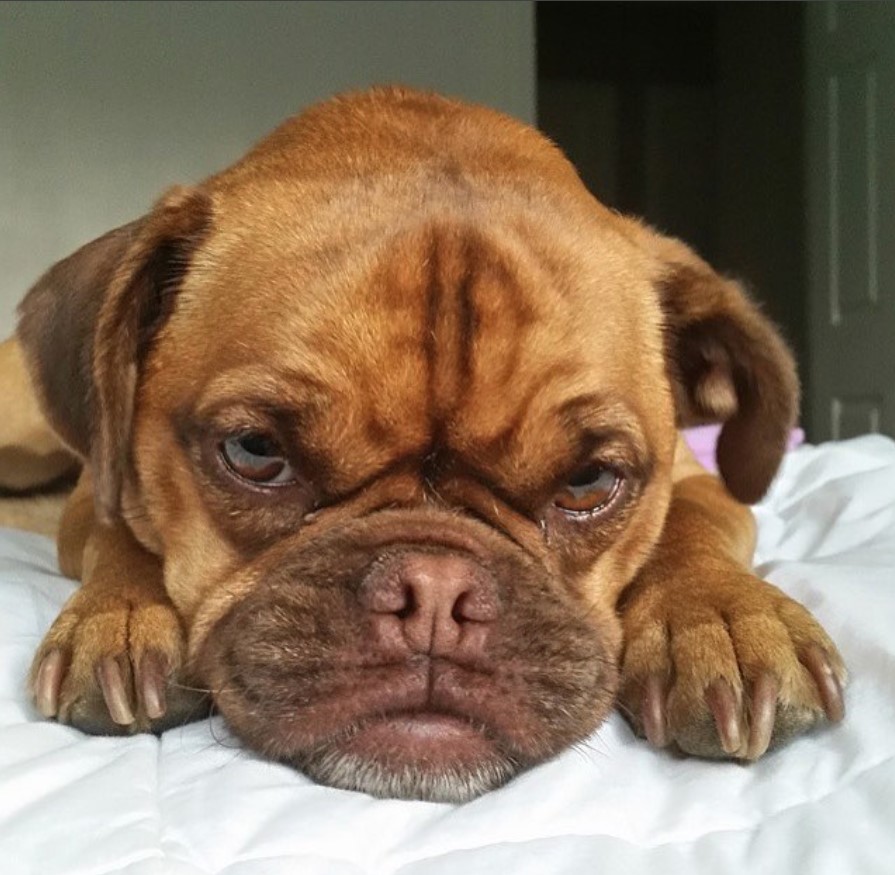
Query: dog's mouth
{"x":430,"y":752}
{"x":425,"y":729}
{"x":413,"y":672}
{"x":428,"y":729}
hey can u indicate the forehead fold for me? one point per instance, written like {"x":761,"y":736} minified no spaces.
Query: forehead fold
{"x":447,"y":328}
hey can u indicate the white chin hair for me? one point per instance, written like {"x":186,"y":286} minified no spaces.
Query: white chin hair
{"x":348,"y":771}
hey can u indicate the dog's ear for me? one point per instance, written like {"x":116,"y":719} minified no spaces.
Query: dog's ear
{"x":728,"y":364}
{"x":87,"y":323}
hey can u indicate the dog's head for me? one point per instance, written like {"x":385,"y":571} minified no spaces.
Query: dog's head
{"x":396,"y":400}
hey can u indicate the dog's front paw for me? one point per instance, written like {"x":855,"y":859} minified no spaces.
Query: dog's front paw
{"x":112,"y":666}
{"x":726,"y":669}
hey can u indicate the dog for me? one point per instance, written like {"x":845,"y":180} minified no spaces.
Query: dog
{"x":380,"y":432}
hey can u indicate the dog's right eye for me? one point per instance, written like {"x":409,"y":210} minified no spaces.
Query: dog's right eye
{"x":258,"y":458}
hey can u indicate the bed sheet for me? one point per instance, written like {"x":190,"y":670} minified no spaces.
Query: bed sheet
{"x":193,"y":802}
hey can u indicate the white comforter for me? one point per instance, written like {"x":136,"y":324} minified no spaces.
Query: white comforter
{"x":194,"y":802}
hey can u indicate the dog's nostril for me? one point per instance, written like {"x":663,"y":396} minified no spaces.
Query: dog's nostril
{"x":457,"y":614}
{"x":464,"y":609}
{"x":409,"y":605}
{"x":477,"y":604}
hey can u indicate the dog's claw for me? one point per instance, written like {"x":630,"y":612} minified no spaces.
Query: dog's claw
{"x":723,"y":705}
{"x":655,"y":725}
{"x":49,"y":682}
{"x":762,"y":715}
{"x":818,"y":664}
{"x":153,"y":673}
{"x":111,"y":681}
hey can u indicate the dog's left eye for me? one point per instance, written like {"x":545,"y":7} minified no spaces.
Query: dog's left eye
{"x":258,"y":458}
{"x":589,"y":490}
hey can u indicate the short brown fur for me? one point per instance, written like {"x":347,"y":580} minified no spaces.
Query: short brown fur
{"x":419,"y":300}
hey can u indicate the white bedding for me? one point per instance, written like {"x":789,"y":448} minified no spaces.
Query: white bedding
{"x":193,"y":802}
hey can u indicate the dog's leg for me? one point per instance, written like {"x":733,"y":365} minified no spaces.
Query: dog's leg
{"x":112,"y":661}
{"x":717,"y":661}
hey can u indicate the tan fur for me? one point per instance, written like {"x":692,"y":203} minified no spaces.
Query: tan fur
{"x":420,"y":300}
{"x":121,"y":615}
{"x":30,"y":454}
{"x":39,"y":513}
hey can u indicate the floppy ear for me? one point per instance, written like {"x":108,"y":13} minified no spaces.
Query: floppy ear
{"x":87,"y":323}
{"x":728,"y":364}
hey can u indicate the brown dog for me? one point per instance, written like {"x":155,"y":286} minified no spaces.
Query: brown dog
{"x":380,"y":440}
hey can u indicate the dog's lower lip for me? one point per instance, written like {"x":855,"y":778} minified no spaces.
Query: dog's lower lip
{"x":426,"y":725}
{"x":421,"y":737}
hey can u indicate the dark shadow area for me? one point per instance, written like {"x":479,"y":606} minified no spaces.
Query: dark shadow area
{"x":690,"y":115}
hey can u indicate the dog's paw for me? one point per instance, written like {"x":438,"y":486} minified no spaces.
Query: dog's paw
{"x":110,"y":666}
{"x":726,"y":670}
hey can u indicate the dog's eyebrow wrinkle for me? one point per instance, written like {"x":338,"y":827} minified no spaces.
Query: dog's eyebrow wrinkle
{"x":429,"y":336}
{"x":601,"y":418}
{"x":466,"y":272}
{"x":271,"y":388}
{"x":468,"y":319}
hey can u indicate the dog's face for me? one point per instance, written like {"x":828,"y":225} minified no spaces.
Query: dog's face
{"x":399,"y":485}
{"x":396,"y":400}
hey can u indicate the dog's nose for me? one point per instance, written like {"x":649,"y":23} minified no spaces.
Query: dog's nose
{"x":432,"y":603}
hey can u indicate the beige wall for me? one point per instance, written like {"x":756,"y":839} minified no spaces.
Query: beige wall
{"x":103,"y":105}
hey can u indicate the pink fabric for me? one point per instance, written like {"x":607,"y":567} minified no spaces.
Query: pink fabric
{"x":703,"y":438}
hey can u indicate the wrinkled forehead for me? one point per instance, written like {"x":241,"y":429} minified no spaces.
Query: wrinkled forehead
{"x":300,"y":261}
{"x":458,"y":322}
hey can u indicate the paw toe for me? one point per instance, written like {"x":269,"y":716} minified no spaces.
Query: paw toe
{"x":826,"y":678}
{"x":115,"y":671}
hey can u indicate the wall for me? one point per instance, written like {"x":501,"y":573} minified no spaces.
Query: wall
{"x":103,"y":105}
